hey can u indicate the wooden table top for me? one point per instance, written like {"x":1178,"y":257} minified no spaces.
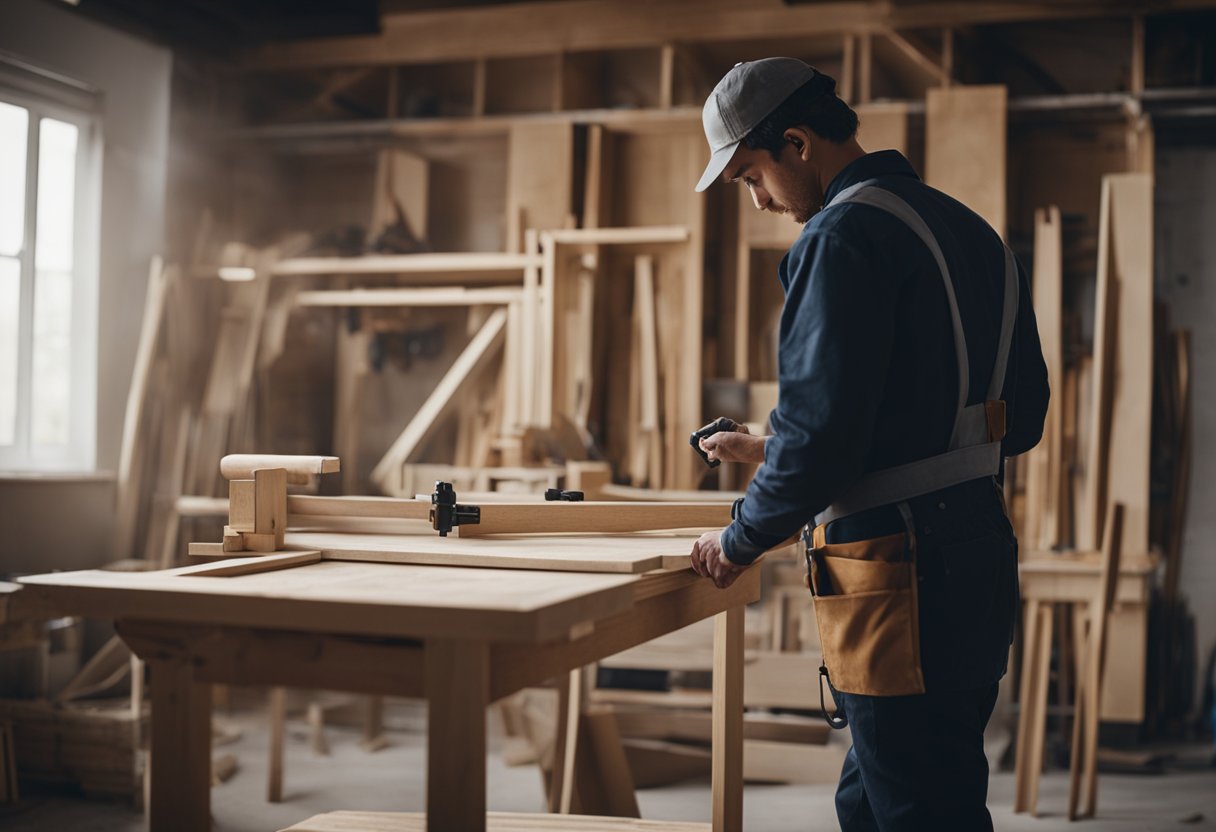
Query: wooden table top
{"x":383,"y":599}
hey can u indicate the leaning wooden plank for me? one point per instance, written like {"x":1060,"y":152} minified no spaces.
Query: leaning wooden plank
{"x":1044,"y":461}
{"x":1120,"y":420}
{"x":128,"y":467}
{"x":484,"y":344}
{"x":106,"y":668}
{"x":454,"y":296}
{"x":965,"y":147}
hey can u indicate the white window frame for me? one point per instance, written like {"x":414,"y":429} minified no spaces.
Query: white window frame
{"x":46,"y":95}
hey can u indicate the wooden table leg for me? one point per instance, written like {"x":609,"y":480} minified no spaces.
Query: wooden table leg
{"x":727,"y":779}
{"x":180,"y":789}
{"x":457,"y":692}
{"x":1038,"y":727}
{"x":1026,"y":703}
{"x":277,"y":707}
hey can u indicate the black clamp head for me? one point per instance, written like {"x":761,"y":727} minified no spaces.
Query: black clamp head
{"x":446,"y":514}
{"x":558,"y":495}
{"x":716,"y":426}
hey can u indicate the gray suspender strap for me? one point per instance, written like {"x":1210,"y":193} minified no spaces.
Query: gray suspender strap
{"x":970,"y":455}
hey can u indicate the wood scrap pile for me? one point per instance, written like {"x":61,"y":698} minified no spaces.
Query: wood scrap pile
{"x":93,"y":746}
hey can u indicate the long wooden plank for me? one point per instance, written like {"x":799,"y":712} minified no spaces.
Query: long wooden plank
{"x":632,"y":556}
{"x":129,"y":469}
{"x":441,"y":263}
{"x":1125,"y":256}
{"x":965,"y":147}
{"x":428,"y":296}
{"x":601,"y":517}
{"x":1045,"y":461}
{"x":619,"y":236}
{"x":454,"y":34}
{"x":484,"y":344}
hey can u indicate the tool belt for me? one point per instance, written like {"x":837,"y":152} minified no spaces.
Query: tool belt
{"x":866,"y":609}
{"x":865,"y":592}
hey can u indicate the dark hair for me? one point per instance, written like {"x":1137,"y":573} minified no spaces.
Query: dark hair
{"x":814,"y":105}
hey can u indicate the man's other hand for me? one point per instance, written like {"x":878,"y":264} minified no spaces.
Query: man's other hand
{"x":734,"y":446}
{"x":709,"y":561}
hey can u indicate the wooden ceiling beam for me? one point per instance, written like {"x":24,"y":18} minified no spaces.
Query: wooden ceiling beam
{"x":535,"y":28}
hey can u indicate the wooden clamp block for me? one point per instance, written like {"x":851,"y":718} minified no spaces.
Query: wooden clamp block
{"x":257,"y":496}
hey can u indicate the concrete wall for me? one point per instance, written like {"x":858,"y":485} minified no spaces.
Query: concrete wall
{"x":57,"y":522}
{"x":1186,"y":272}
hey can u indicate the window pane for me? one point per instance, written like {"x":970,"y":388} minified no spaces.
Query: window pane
{"x":56,"y":195}
{"x":14,"y":133}
{"x":10,"y":305}
{"x":50,"y":404}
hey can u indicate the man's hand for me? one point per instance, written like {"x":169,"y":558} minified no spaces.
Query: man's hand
{"x":734,"y":446}
{"x":709,"y":561}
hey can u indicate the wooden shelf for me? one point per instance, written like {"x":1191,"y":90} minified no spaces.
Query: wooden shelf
{"x":495,"y":822}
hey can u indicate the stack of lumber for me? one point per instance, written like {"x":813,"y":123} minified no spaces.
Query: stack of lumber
{"x":92,"y":746}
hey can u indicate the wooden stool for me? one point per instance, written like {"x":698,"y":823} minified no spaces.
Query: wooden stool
{"x":1038,"y":632}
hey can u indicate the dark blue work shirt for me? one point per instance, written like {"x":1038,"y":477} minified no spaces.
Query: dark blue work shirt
{"x":868,"y":376}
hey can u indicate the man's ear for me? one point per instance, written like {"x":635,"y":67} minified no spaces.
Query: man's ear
{"x":800,"y":138}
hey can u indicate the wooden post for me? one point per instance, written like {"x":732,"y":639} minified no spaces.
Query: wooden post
{"x":180,"y":791}
{"x":727,"y":765}
{"x":277,"y":707}
{"x":457,"y":691}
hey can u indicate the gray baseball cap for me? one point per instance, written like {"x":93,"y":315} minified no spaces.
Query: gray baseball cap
{"x":748,"y":93}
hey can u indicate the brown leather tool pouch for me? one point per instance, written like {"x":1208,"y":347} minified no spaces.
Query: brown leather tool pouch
{"x":865,"y":605}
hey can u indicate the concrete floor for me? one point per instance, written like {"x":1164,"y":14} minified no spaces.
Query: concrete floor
{"x":393,"y":779}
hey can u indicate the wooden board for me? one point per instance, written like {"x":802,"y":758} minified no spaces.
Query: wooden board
{"x":540,"y":178}
{"x":602,"y":517}
{"x":495,"y":822}
{"x":1120,"y":437}
{"x":965,"y":147}
{"x":1045,"y":462}
{"x":634,"y":554}
{"x":342,"y":597}
{"x":883,"y":127}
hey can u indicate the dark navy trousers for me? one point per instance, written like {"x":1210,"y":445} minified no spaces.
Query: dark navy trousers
{"x":917,"y":762}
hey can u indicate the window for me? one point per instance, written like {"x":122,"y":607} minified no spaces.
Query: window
{"x":48,"y":283}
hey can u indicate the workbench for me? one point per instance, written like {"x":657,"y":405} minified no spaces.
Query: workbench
{"x":459,"y":636}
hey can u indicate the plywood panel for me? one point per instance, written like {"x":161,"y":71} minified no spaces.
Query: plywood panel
{"x":1120,"y":438}
{"x":965,"y":147}
{"x":540,"y":178}
{"x":883,"y":127}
